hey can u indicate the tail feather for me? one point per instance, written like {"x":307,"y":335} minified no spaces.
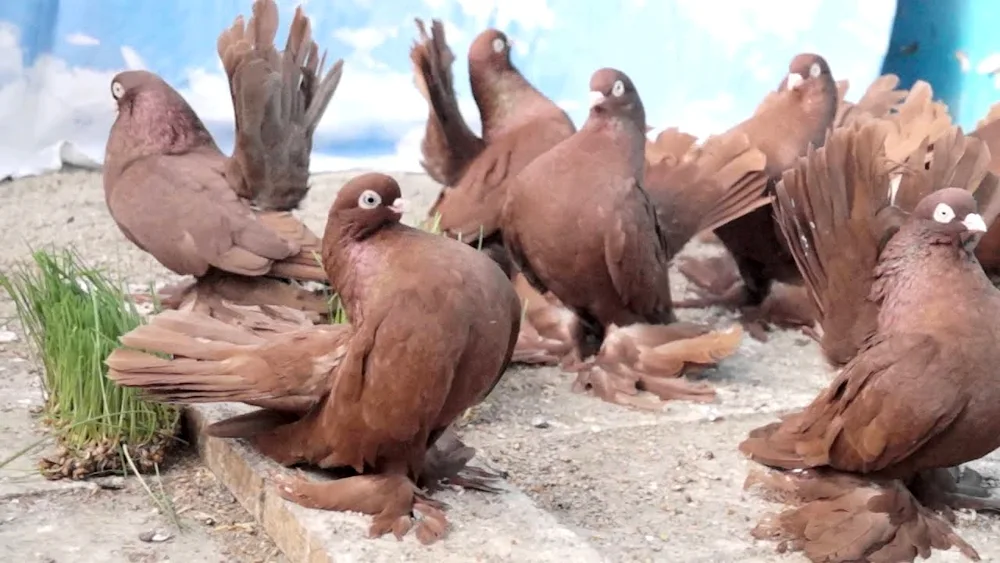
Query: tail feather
{"x":449,"y":146}
{"x":841,"y":518}
{"x":212,"y":362}
{"x":878,"y":101}
{"x":670,"y":145}
{"x":992,"y":115}
{"x":713,"y":184}
{"x":278,"y":100}
{"x":254,"y":302}
{"x":252,"y":423}
{"x":307,"y":265}
{"x":917,"y":119}
{"x":833,"y":207}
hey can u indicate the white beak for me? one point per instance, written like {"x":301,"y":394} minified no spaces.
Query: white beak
{"x":400,"y":205}
{"x":793,"y":80}
{"x":595,"y":98}
{"x":974,"y":223}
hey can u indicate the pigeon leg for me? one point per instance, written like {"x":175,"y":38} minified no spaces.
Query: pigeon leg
{"x":621,"y":385}
{"x":447,"y":462}
{"x":391,"y":499}
{"x":715,"y":279}
{"x":954,"y":488}
{"x":677,"y":388}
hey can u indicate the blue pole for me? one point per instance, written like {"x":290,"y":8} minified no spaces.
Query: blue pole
{"x":953,"y":45}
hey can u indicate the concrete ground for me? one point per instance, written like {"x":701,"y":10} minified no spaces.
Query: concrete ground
{"x":592,"y":481}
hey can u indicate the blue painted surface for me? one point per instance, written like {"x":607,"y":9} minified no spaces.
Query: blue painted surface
{"x":702,"y":65}
{"x":949,"y":43}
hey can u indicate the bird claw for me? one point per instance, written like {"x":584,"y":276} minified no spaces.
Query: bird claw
{"x":431,"y":521}
{"x":621,"y":385}
{"x":713,"y":279}
{"x":294,"y":487}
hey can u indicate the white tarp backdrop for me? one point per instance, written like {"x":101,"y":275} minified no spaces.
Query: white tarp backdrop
{"x":702,"y":65}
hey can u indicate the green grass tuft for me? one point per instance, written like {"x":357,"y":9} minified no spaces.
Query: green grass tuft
{"x":73,"y":316}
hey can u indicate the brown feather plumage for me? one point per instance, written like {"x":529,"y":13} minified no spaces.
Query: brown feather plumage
{"x":433,"y":327}
{"x":908,"y":308}
{"x":175,"y":195}
{"x":593,"y":239}
{"x":707,"y":186}
{"x":518,"y":124}
{"x":784,"y":126}
{"x":278,"y":100}
{"x":881,"y":98}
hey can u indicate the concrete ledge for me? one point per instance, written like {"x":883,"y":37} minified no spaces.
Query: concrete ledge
{"x":484,"y":527}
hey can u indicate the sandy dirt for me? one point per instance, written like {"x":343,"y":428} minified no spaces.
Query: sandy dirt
{"x":636,"y":486}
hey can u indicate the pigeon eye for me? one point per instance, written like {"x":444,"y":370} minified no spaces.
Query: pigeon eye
{"x":117,"y":90}
{"x":943,"y":213}
{"x":499,"y":45}
{"x":369,"y":200}
{"x":618,"y":89}
{"x":814,"y":70}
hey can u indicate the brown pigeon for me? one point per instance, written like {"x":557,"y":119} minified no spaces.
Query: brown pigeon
{"x":577,"y":222}
{"x":433,"y":325}
{"x":788,"y":121}
{"x":693,"y":188}
{"x":903,"y":297}
{"x":226,"y":220}
{"x":518,"y":124}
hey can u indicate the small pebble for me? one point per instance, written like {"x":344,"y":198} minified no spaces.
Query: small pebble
{"x":156,"y":536}
{"x":539,"y":422}
{"x":110,"y":483}
{"x":7,"y":336}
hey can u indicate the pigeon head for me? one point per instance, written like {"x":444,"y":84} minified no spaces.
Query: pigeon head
{"x":153,"y":118}
{"x":490,"y":48}
{"x":808,"y":71}
{"x":366,"y":204}
{"x":952,"y":212}
{"x":613,"y":94}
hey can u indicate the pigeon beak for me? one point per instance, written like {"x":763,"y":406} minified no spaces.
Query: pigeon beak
{"x":974,"y":223}
{"x":793,"y":80}
{"x":400,"y":205}
{"x":595,"y":98}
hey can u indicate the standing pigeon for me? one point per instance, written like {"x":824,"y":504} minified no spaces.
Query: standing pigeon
{"x":433,"y":325}
{"x":577,"y":222}
{"x":518,"y":124}
{"x":905,"y":303}
{"x":787,"y":122}
{"x":225,"y":220}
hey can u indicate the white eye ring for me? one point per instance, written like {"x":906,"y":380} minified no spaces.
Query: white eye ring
{"x":117,"y":90}
{"x":814,"y":70}
{"x":618,"y":89}
{"x":499,"y":45}
{"x":943,"y":213}
{"x":369,"y":199}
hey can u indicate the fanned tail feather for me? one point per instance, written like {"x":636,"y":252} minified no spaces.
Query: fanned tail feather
{"x":881,"y":98}
{"x":212,"y":361}
{"x":278,"y":100}
{"x":830,"y":208}
{"x":711,"y":185}
{"x":917,"y":119}
{"x":449,"y":146}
